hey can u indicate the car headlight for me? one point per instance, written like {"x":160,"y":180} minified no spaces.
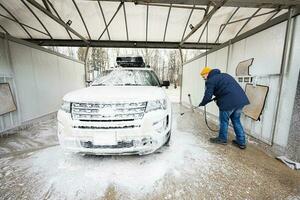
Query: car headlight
{"x":156,"y":105}
{"x":66,"y":106}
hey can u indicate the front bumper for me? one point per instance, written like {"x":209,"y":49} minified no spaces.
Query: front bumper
{"x":135,"y":137}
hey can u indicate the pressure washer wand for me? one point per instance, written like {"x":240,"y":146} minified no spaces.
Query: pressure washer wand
{"x":191,"y":105}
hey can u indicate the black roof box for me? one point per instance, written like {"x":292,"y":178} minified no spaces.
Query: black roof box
{"x":130,"y":61}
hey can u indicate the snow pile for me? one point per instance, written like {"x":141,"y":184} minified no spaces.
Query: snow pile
{"x":75,"y":177}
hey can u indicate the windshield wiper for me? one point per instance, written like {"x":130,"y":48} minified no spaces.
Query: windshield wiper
{"x":100,"y":84}
{"x":132,"y":84}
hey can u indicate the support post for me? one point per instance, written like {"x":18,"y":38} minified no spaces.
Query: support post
{"x":284,"y":63}
{"x":181,"y":74}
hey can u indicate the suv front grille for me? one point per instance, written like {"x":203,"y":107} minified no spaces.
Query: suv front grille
{"x":108,"y":111}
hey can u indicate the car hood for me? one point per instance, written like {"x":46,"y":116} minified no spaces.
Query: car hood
{"x":116,"y":94}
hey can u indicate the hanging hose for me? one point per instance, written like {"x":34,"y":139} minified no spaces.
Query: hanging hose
{"x":206,"y":122}
{"x":205,"y":114}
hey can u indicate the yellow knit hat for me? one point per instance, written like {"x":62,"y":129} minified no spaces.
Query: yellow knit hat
{"x":205,"y":70}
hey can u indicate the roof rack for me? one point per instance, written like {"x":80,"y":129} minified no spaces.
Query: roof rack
{"x":137,"y":61}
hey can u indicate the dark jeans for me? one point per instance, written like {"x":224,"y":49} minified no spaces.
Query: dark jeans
{"x":235,"y":116}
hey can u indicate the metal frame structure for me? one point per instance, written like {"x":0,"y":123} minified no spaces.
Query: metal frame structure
{"x":51,"y":5}
{"x":33,"y":13}
{"x":112,"y":18}
{"x":49,"y":14}
{"x":204,"y":20}
{"x":122,"y":44}
{"x":232,"y":3}
{"x":187,"y":22}
{"x":48,"y":9}
{"x":167,"y":22}
{"x":87,"y":31}
{"x":15,"y":19}
{"x":126,"y":25}
{"x":262,"y":27}
{"x":25,"y":25}
{"x":248,"y":20}
{"x":222,"y":28}
{"x":104,"y":19}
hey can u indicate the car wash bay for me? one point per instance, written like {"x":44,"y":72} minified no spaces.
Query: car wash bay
{"x":34,"y":79}
{"x":35,"y":167}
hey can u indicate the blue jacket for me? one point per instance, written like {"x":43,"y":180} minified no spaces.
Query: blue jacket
{"x":228,"y":93}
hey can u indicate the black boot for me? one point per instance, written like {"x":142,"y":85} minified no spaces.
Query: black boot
{"x":217,"y":141}
{"x":235,"y":143}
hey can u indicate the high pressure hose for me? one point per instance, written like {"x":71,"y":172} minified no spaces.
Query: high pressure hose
{"x":205,"y":114}
{"x":206,"y":122}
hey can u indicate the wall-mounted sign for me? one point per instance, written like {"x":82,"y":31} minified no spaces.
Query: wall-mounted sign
{"x":7,"y":103}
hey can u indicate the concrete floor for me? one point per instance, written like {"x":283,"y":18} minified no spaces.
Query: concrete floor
{"x":33,"y":166}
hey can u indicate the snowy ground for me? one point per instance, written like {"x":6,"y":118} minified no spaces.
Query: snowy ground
{"x":33,"y":166}
{"x":173,"y":94}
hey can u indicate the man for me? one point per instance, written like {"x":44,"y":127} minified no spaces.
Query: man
{"x":230,"y":98}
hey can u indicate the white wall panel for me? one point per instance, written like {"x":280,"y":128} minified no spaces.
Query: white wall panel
{"x":40,"y":80}
{"x":47,"y":81}
{"x":4,"y":63}
{"x":266,"y":48}
{"x":25,"y":80}
{"x":289,"y":89}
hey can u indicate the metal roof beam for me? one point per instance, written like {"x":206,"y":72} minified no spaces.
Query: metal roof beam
{"x":246,"y":18}
{"x":46,"y":5}
{"x":25,"y":25}
{"x":232,"y":3}
{"x":187,"y":23}
{"x":126,"y":25}
{"x":222,"y":28}
{"x":51,"y":5}
{"x":37,"y":18}
{"x":167,"y":22}
{"x":245,"y":24}
{"x":16,"y":20}
{"x":174,"y":6}
{"x":87,"y":31}
{"x":104,"y":19}
{"x":112,"y":18}
{"x":273,"y":15}
{"x":204,"y":28}
{"x":262,"y":27}
{"x":204,"y":20}
{"x":147,"y":18}
{"x":49,"y":14}
{"x":4,"y":29}
{"x":122,"y":44}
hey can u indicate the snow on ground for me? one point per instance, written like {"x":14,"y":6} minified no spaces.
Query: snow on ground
{"x":74,"y":176}
{"x":173,"y":94}
{"x":41,"y":134}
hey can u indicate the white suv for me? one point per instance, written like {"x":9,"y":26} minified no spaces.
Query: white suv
{"x":124,"y":111}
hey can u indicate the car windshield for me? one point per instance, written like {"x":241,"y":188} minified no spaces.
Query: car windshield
{"x":130,"y":77}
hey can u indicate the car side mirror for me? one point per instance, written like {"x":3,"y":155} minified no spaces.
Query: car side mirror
{"x":166,"y":84}
{"x":88,"y":83}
